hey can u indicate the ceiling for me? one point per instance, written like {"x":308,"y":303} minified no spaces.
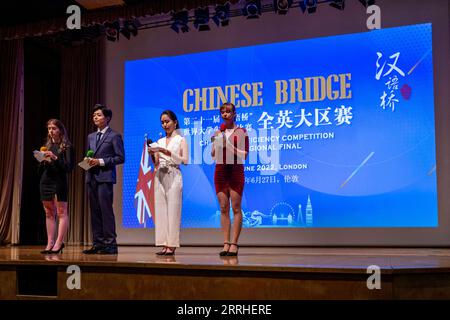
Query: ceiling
{"x":19,"y":11}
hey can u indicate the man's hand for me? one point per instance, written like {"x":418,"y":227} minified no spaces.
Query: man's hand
{"x":94,"y":162}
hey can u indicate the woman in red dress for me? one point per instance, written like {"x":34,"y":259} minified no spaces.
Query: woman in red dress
{"x":230,"y":149}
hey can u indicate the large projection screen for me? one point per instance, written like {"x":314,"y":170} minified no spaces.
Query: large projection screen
{"x":344,"y":136}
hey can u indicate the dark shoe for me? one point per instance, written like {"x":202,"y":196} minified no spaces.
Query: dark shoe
{"x":108,"y":250}
{"x":224,"y":252}
{"x":60,"y":250}
{"x":162,"y":252}
{"x":170,"y":252}
{"x":93,"y":250}
{"x":47,"y":251}
{"x":233,"y":254}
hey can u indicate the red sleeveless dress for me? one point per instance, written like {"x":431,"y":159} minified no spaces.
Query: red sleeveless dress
{"x":230,"y":173}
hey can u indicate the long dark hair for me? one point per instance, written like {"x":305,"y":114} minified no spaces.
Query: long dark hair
{"x":172,"y":117}
{"x":64,"y":141}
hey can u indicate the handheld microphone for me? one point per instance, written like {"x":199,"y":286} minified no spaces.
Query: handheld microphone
{"x":148,"y":141}
{"x":89,"y":153}
{"x":43,"y":158}
{"x":222,"y":129}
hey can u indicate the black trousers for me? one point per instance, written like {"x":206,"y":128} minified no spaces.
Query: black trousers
{"x":102,"y":215}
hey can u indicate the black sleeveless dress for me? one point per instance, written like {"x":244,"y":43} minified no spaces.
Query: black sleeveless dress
{"x":54,"y":174}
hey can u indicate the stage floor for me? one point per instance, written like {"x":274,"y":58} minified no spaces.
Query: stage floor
{"x":260,"y":272}
{"x":291,"y":258}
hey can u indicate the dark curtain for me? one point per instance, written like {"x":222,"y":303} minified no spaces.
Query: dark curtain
{"x":11,"y":135}
{"x":41,"y":102}
{"x":81,"y":89}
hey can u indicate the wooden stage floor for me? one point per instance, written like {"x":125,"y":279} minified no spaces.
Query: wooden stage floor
{"x":259,"y":272}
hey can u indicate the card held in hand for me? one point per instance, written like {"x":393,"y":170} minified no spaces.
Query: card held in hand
{"x":85,"y":164}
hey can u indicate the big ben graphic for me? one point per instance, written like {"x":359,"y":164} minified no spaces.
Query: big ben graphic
{"x":309,"y":213}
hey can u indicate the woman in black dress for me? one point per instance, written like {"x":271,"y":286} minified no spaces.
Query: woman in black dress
{"x":53,"y":184}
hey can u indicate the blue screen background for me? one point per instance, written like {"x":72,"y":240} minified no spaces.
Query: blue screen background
{"x":378,"y":170}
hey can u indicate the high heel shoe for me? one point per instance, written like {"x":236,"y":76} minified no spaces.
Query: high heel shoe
{"x":233,"y":254}
{"x":60,"y":250}
{"x":162,"y":252}
{"x":46,"y":251}
{"x":170,"y":252}
{"x":224,"y":252}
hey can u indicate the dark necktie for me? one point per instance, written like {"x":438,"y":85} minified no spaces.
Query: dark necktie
{"x":99,"y":136}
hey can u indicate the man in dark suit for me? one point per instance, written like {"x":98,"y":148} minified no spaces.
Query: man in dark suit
{"x":107,"y":145}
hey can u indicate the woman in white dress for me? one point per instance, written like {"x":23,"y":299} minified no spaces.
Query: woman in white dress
{"x":172,"y":151}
